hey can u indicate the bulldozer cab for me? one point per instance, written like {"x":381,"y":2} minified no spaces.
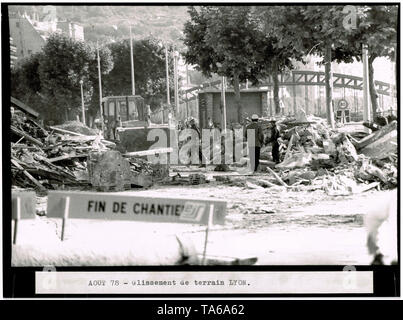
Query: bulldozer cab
{"x":122,"y":111}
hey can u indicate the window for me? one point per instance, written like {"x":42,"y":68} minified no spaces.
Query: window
{"x":123,"y":110}
{"x":17,"y":24}
{"x":111,"y":109}
{"x":133,"y":113}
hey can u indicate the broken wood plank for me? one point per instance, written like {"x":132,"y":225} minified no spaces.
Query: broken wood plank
{"x":61,"y":169}
{"x":67,"y":139}
{"x":287,"y":153}
{"x":38,"y":126}
{"x":26,"y":173}
{"x":148,"y":152}
{"x":22,"y":106}
{"x":368,"y":187}
{"x":263,"y":183}
{"x":376,"y":135}
{"x":66,"y":131}
{"x":277,"y":177}
{"x":23,"y":146}
{"x":26,"y":136}
{"x":381,"y":147}
{"x":68,"y":156}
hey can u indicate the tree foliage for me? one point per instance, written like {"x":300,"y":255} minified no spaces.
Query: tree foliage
{"x":377,"y":28}
{"x":289,"y":45}
{"x":149,"y":70}
{"x":63,"y":64}
{"x":228,"y":41}
{"x":26,"y":84}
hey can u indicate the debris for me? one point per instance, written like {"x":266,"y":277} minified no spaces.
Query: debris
{"x":301,"y":116}
{"x":222,"y":168}
{"x":109,"y":170}
{"x":58,"y":158}
{"x":76,"y":127}
{"x":312,"y":146}
{"x":263,"y":210}
{"x":36,"y":182}
{"x":297,"y":160}
{"x":277,"y":177}
{"x":382,"y":147}
{"x":376,"y":135}
{"x":263,"y":183}
{"x":197,"y":178}
{"x":26,"y":136}
{"x":68,"y":156}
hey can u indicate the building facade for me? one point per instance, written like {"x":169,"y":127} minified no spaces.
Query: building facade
{"x":13,"y":53}
{"x":30,"y":34}
{"x":26,"y":38}
{"x":254,"y":101}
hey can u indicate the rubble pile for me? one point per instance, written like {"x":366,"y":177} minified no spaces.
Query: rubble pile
{"x":78,"y":127}
{"x":314,"y":156}
{"x":55,"y":157}
{"x":311,"y":150}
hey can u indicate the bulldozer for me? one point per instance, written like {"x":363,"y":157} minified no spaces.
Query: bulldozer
{"x":127,"y":122}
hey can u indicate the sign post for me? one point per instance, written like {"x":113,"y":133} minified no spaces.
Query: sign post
{"x":65,"y":215}
{"x":365,"y":78}
{"x":17,"y":205}
{"x":23,"y":207}
{"x":210,"y":222}
{"x":112,"y":206}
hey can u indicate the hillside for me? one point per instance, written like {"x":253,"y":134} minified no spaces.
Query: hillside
{"x":106,"y":23}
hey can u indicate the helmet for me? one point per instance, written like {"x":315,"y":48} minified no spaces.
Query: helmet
{"x":255,"y":117}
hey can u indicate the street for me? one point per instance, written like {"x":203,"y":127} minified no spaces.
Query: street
{"x":278,"y":227}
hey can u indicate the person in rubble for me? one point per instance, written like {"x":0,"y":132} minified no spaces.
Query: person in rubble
{"x":273,"y":139}
{"x":194,"y":126}
{"x":254,"y":142}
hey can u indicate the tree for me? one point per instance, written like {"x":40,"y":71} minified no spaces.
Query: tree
{"x":63,"y":63}
{"x":227,"y":41}
{"x":25,"y":80}
{"x":377,"y":28}
{"x":149,"y":70}
{"x":91,"y":87}
{"x":288,"y":44}
{"x":324,"y":29}
{"x":50,"y":80}
{"x":26,"y":84}
{"x":321,"y":28}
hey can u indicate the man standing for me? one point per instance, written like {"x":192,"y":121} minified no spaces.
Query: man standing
{"x":274,"y":135}
{"x":193,"y":126}
{"x":254,"y":135}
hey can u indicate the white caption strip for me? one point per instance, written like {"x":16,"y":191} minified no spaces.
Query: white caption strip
{"x":341,"y":282}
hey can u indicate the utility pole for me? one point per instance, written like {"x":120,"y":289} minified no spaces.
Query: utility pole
{"x":224,"y":108}
{"x":131,"y":61}
{"x":329,"y":85}
{"x":100,"y":90}
{"x":365,"y":79}
{"x":187,"y":86}
{"x":82,"y":100}
{"x":176,"y":54}
{"x":167,"y":74}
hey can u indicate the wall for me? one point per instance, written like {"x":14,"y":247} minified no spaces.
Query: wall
{"x":73,"y":30}
{"x":253,"y":101}
{"x":25,"y":37}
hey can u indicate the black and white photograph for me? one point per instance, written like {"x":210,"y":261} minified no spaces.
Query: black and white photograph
{"x":202,"y":135}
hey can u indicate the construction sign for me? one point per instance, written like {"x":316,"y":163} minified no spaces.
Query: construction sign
{"x":120,"y":206}
{"x":23,"y":205}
